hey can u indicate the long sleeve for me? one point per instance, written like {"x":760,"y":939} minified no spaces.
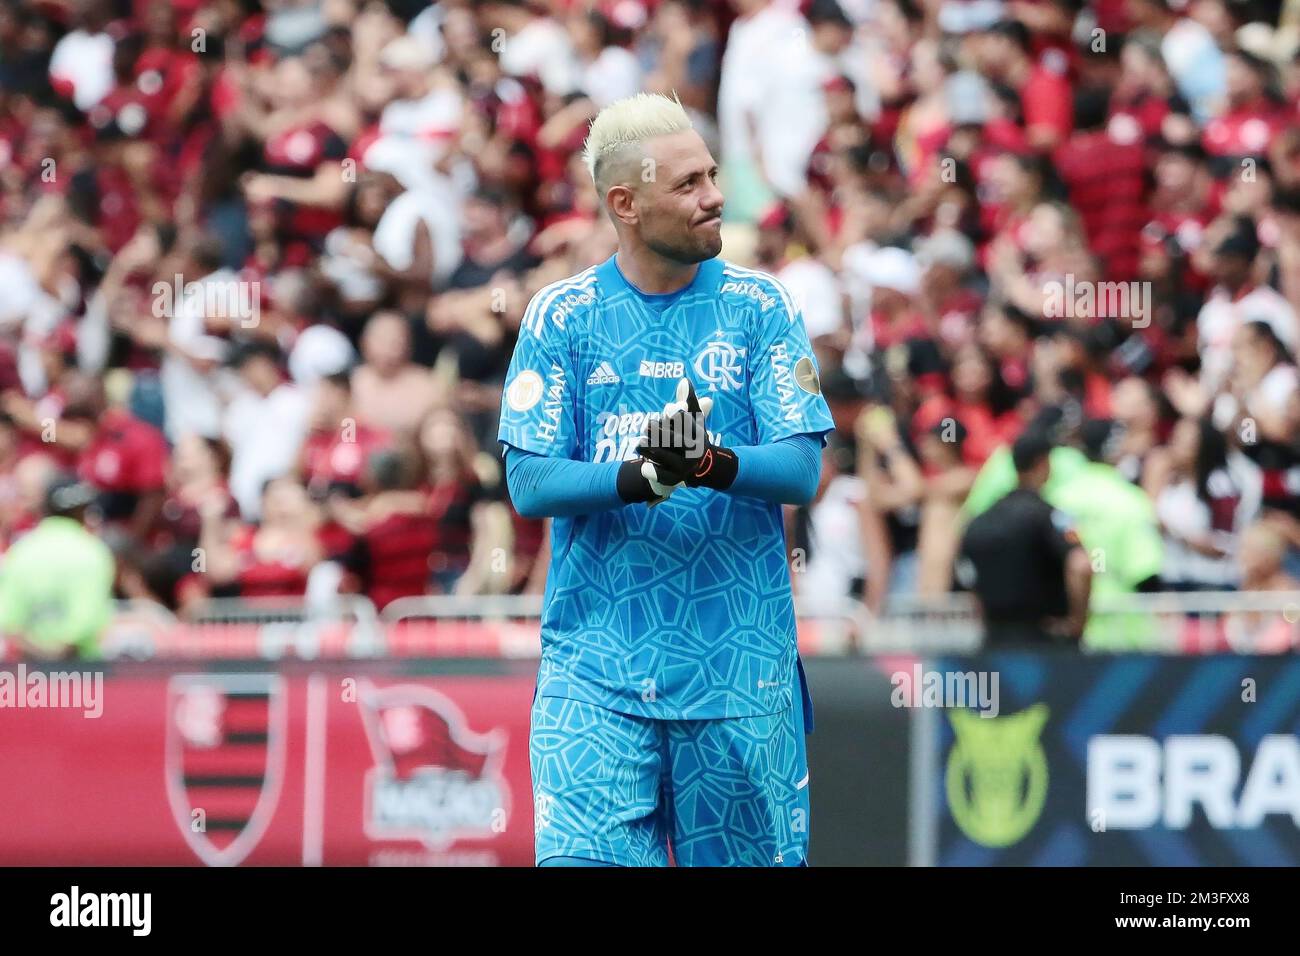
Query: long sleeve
{"x":542,"y":487}
{"x":785,"y":472}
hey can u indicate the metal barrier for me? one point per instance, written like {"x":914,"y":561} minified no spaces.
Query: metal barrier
{"x":1203,"y":622}
{"x":485,"y":607}
{"x":831,"y":634}
{"x":291,"y":625}
{"x":507,"y":626}
{"x":345,"y":625}
{"x":1167,"y":622}
{"x":275,"y":610}
{"x":948,"y":624}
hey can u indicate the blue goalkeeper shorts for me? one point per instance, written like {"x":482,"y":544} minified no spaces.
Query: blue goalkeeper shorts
{"x":616,"y":789}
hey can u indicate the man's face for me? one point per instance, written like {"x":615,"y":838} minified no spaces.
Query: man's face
{"x":1041,"y":473}
{"x":385,"y":345}
{"x":1175,"y":172}
{"x":260,"y":374}
{"x":482,"y":219}
{"x":676,"y":199}
{"x":1241,"y":81}
{"x":1231,"y":269}
{"x":330,"y":407}
{"x":1249,"y":358}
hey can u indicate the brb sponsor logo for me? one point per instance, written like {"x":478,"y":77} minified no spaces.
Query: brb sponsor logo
{"x":434,"y":779}
{"x":650,"y":369}
{"x":1136,"y":782}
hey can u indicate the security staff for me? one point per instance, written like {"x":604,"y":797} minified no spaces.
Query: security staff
{"x":56,"y":583}
{"x":1023,"y":559}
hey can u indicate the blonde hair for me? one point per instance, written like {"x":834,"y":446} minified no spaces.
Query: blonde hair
{"x":624,"y":125}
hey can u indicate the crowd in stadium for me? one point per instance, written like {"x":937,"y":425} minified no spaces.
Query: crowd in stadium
{"x":263,"y":263}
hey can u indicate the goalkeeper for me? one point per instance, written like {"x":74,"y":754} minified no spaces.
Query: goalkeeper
{"x":662,"y":406}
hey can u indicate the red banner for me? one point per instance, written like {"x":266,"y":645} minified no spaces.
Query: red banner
{"x":363,"y":764}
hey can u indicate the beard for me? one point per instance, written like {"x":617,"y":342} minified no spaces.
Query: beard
{"x":688,"y":249}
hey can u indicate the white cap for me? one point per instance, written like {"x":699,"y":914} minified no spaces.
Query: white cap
{"x":319,"y":351}
{"x":407,"y":53}
{"x":893,"y":268}
{"x":946,"y":247}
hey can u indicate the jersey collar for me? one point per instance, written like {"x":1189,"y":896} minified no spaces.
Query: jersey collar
{"x":707,"y":276}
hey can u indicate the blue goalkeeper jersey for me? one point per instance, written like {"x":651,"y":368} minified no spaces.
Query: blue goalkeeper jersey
{"x":682,"y":611}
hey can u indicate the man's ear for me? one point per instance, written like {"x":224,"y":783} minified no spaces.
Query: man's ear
{"x":622,"y":204}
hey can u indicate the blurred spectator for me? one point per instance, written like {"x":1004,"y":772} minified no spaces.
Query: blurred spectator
{"x":1238,"y":297}
{"x":272,"y":559}
{"x":31,"y":476}
{"x":769,"y":106}
{"x":82,"y":61}
{"x":609,"y":69}
{"x":393,"y":535}
{"x":264,"y":425}
{"x":121,"y":456}
{"x":810,"y":282}
{"x":948,"y":479}
{"x":1105,"y":178}
{"x":1004,"y":54}
{"x":389,"y":391}
{"x":463,"y":490}
{"x":1260,"y":558}
{"x":166,"y":564}
{"x":337,"y":447}
{"x":1210,"y":495}
{"x":191,"y":375}
{"x":1189,"y":48}
{"x":895,"y":488}
{"x":1141,"y":415}
{"x":844,"y":540}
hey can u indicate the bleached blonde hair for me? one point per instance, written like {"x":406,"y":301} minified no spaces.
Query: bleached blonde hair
{"x":623,"y":125}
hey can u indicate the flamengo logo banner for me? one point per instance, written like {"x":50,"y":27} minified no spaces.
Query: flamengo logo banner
{"x":1130,"y":760}
{"x":224,"y":760}
{"x":434,"y":780}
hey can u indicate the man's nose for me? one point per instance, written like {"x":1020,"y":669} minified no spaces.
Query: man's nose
{"x":713,"y":199}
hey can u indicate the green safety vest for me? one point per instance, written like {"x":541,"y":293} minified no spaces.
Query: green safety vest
{"x":56,"y":587}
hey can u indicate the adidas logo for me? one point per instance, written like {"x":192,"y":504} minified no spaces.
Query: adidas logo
{"x":604,"y":375}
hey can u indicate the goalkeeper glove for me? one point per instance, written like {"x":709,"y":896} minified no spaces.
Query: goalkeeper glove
{"x":648,"y":481}
{"x":678,"y":446}
{"x":642,"y":480}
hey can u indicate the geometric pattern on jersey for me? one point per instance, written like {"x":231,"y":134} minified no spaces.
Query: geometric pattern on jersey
{"x":682,"y":611}
{"x":616,"y":789}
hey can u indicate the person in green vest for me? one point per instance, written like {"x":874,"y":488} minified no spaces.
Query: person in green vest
{"x":1118,"y":528}
{"x":56,"y":582}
